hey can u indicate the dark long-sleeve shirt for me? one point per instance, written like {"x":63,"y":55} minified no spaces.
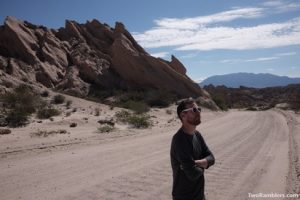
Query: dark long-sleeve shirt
{"x":188,"y":179}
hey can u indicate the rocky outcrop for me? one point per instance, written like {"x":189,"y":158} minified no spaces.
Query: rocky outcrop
{"x":177,"y":65}
{"x":256,"y":99}
{"x":80,"y":56}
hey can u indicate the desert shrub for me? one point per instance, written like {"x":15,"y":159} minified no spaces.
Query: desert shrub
{"x":21,"y":103}
{"x":5,"y":131}
{"x":108,"y":122}
{"x":251,"y":109}
{"x":136,"y":120}
{"x":16,"y":118}
{"x":140,"y":121}
{"x":295,"y":101}
{"x":3,"y":121}
{"x":169,"y":112}
{"x":68,"y":103}
{"x":22,"y":99}
{"x":133,"y":95}
{"x":105,"y":129}
{"x":68,"y":114}
{"x":73,"y":124}
{"x":97,"y":111}
{"x":136,"y":106}
{"x":45,"y":93}
{"x":58,"y":99}
{"x":101,"y":94}
{"x":41,"y":133}
{"x":46,"y":113}
{"x":159,"y":98}
{"x":220,"y":102}
{"x":122,"y":115}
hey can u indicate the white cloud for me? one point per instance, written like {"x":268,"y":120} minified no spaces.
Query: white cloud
{"x":203,"y":32}
{"x":286,"y":54}
{"x":198,"y":22}
{"x":230,"y":61}
{"x":210,"y":38}
{"x":261,"y":59}
{"x":280,"y":6}
{"x":160,"y":54}
{"x":271,"y":69}
{"x":272,"y":3}
{"x":274,"y":57}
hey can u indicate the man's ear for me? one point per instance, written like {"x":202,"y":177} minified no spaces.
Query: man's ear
{"x":181,"y":115}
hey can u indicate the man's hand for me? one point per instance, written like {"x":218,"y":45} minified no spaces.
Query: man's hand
{"x":202,"y":163}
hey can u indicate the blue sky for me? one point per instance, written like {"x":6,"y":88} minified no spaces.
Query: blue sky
{"x":210,"y":37}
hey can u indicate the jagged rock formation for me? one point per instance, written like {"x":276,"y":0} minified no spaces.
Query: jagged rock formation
{"x":78,"y":56}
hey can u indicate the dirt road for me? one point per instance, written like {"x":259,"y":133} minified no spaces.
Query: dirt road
{"x":255,"y":152}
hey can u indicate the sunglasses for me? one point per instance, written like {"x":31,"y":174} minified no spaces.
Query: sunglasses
{"x":193,"y":109}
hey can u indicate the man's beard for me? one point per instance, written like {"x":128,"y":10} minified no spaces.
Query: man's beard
{"x":195,"y":121}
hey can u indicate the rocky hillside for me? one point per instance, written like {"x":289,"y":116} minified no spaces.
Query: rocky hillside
{"x":80,"y":58}
{"x":253,"y":98}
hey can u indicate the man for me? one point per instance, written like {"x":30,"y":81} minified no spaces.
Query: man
{"x":189,"y":154}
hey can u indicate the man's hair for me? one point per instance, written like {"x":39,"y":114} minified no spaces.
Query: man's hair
{"x":183,"y":105}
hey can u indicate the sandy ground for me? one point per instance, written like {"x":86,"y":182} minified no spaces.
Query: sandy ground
{"x":256,"y":152}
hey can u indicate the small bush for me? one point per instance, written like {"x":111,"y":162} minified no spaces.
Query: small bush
{"x":108,"y":122}
{"x":252,"y":109}
{"x":46,"y":113}
{"x":136,"y":106}
{"x":220,"y":102}
{"x":5,"y":131}
{"x":45,"y":93}
{"x":136,"y":120}
{"x":68,"y":103}
{"x":159,"y":98}
{"x":3,"y":121}
{"x":122,"y":115}
{"x":23,"y":100}
{"x":21,"y":103}
{"x":16,"y":118}
{"x":97,"y":111}
{"x":106,"y":129}
{"x":58,"y":99}
{"x":40,"y":133}
{"x":73,"y":124}
{"x":140,"y":121}
{"x":169,"y":112}
{"x":68,"y":114}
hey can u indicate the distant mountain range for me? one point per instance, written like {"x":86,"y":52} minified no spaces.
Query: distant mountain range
{"x":236,"y":80}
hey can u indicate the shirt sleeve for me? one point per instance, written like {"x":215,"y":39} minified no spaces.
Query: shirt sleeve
{"x":187,"y":163}
{"x":208,"y":155}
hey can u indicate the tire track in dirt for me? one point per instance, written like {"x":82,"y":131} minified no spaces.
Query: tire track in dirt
{"x":241,"y":166}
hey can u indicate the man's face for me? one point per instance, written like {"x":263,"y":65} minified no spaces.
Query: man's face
{"x":190,"y":116}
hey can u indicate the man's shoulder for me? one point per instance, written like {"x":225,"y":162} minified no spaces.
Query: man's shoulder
{"x":178,"y":141}
{"x":179,"y":134}
{"x":199,"y":135}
